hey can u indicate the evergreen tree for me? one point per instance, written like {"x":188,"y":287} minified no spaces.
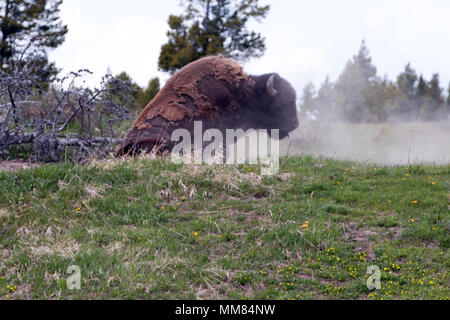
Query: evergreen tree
{"x":448,"y":97}
{"x":363,"y":63}
{"x":136,"y":90}
{"x":406,"y":82}
{"x":307,"y":107}
{"x":212,"y":27}
{"x":421,"y":87}
{"x":140,"y":97}
{"x":406,"y":103}
{"x":326,"y":91}
{"x":388,"y":101}
{"x":434,"y":106}
{"x":359,"y":95}
{"x":28,"y":29}
{"x":353,"y":86}
{"x":435,"y":90}
{"x":325,"y":102}
{"x":148,"y":94}
{"x":447,"y":109}
{"x":377,"y":97}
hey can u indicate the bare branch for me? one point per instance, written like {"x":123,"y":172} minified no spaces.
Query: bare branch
{"x":63,"y":118}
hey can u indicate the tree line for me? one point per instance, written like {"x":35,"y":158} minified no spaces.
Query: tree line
{"x":359,"y":95}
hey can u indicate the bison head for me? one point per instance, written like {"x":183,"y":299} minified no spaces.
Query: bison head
{"x":276,"y":104}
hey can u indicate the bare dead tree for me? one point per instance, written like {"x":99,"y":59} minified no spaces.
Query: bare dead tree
{"x":65,"y":119}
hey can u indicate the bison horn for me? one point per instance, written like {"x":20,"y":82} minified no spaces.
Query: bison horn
{"x":270,"y":87}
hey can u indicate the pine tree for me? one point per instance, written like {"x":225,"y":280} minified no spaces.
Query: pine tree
{"x":434,"y":105}
{"x":406,"y":82}
{"x":326,"y":91}
{"x":353,"y":86}
{"x":448,"y":97}
{"x":447,"y":111}
{"x":148,"y":94}
{"x":212,"y":27}
{"x":134,"y":87}
{"x":324,"y":101}
{"x":435,"y":90}
{"x":28,"y":29}
{"x":421,"y":88}
{"x":133,"y":94}
{"x":407,"y":105}
{"x":377,"y":98}
{"x":307,"y":107}
{"x":363,"y":63}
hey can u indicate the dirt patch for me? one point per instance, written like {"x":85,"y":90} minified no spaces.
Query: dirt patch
{"x":115,"y":247}
{"x":66,"y":249}
{"x":433,"y":244}
{"x":388,"y":213}
{"x":394,"y":232}
{"x":357,"y":234}
{"x":94,"y":191}
{"x":5,"y":253}
{"x":16,"y":165}
{"x":361,"y":238}
{"x":4,"y":213}
{"x":283,"y":177}
{"x":24,"y":292}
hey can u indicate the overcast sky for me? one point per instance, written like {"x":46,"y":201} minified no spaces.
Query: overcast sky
{"x":305,"y":40}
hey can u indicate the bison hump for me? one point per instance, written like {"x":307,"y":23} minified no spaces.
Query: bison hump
{"x":183,"y":94}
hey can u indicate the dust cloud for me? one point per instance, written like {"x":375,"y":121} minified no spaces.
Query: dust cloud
{"x":386,"y":143}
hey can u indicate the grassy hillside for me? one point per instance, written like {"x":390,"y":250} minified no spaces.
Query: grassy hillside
{"x":146,"y":228}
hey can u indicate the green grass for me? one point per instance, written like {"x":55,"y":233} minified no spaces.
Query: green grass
{"x":147,"y":228}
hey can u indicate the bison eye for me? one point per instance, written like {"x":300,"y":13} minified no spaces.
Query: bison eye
{"x":270,"y":89}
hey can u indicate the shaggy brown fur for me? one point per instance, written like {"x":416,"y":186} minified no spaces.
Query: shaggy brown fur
{"x":214,"y":90}
{"x":170,"y":101}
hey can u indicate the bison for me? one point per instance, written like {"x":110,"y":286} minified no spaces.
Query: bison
{"x":216,"y":91}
